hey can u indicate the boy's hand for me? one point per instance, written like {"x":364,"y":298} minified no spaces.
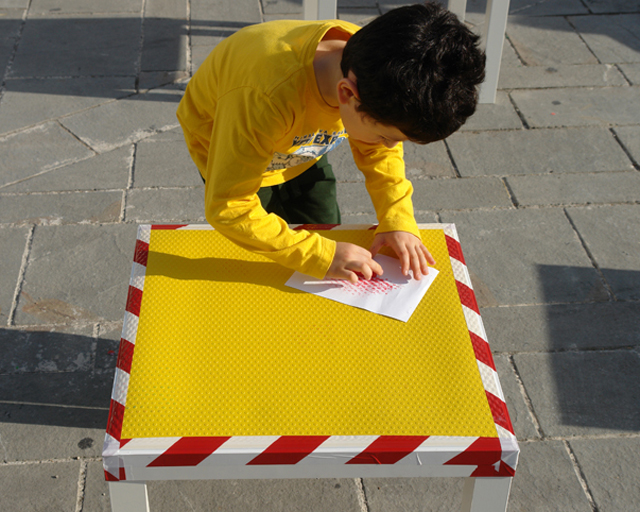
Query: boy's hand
{"x":410,"y":250}
{"x":351,"y":258}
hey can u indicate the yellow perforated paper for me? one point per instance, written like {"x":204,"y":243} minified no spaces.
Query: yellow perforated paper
{"x":224,"y":348}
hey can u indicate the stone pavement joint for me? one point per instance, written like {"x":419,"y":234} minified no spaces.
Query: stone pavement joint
{"x":543,"y":185}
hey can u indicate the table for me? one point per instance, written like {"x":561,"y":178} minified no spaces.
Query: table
{"x":224,"y":372}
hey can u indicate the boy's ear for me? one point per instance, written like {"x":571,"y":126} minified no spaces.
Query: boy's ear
{"x":348,"y":90}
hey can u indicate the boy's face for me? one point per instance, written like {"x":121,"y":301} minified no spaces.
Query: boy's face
{"x":359,"y":126}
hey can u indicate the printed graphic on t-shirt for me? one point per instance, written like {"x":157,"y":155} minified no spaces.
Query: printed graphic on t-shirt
{"x":310,"y":147}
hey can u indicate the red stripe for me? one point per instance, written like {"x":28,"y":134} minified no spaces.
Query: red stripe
{"x":484,"y":451}
{"x":123,"y":442}
{"x":125,"y":355}
{"x":499,"y":412}
{"x":114,"y":424}
{"x":288,"y":450}
{"x":168,"y":226}
{"x":467,"y":297}
{"x":189,"y":451}
{"x":123,"y":475}
{"x":134,"y":299}
{"x":141,"y":253}
{"x":388,"y":449}
{"x":455,"y":249}
{"x":316,"y":226}
{"x":109,"y":477}
{"x":503,"y":470}
{"x":481,"y":350}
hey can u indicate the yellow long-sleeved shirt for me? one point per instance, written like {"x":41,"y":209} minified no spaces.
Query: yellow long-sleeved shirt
{"x":253,"y":117}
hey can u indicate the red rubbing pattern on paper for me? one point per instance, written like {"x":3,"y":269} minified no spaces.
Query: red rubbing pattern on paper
{"x":116,"y":414}
{"x":455,"y":249}
{"x":288,"y":450}
{"x":374,"y":286}
{"x":482,"y":351}
{"x":388,"y":449}
{"x":189,"y":451}
{"x":141,"y":253}
{"x":467,"y":297}
{"x":125,"y":355}
{"x":499,"y":412}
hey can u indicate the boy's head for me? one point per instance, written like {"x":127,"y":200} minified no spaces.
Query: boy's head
{"x":417,"y":68}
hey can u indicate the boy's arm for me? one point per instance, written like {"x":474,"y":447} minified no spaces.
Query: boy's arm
{"x":239,"y":153}
{"x":390,"y":193}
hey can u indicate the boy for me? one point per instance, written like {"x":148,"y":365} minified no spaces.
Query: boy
{"x":273,"y":98}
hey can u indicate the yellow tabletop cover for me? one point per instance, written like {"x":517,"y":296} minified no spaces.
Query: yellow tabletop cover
{"x":224,"y":348}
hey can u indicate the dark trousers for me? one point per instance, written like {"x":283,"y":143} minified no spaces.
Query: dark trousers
{"x":306,"y":199}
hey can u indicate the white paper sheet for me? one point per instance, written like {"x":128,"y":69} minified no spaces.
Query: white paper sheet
{"x":390,"y":294}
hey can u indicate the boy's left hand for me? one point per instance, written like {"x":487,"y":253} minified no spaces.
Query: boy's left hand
{"x":410,"y":250}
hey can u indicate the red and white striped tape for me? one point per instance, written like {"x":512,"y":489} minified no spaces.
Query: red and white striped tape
{"x":473,"y":456}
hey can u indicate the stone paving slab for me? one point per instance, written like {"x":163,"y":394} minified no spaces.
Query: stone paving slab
{"x":579,"y":106}
{"x":632,"y":72}
{"x":34,"y":433}
{"x":57,"y":485}
{"x":611,"y":38}
{"x":518,"y":411}
{"x":495,"y":116}
{"x":567,"y":189}
{"x":106,"y":171}
{"x":545,"y":8}
{"x":608,"y":468}
{"x":542,"y":77}
{"x":128,"y":120}
{"x":78,"y":46}
{"x":322,"y":495}
{"x":38,"y":149}
{"x":165,"y":43}
{"x":460,"y":194}
{"x":591,"y":149}
{"x":57,"y":8}
{"x":630,"y":138}
{"x":12,"y":245}
{"x":562,"y":327}
{"x":583,"y":393}
{"x":42,"y":351}
{"x":238,"y":12}
{"x":96,"y":490}
{"x":546,"y":481}
{"x":63,"y":208}
{"x":608,"y":6}
{"x":162,"y":163}
{"x":63,"y":260}
{"x":547,"y":41}
{"x":612,"y":235}
{"x":33,"y":100}
{"x":526,"y":256}
{"x":423,"y":494}
{"x":165,"y":205}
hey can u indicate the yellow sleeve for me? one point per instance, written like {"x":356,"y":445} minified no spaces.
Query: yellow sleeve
{"x":241,"y":148}
{"x":390,"y":190}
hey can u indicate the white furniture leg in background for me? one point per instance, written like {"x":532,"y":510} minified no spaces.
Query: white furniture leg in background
{"x":320,"y":9}
{"x":486,"y":494}
{"x":458,"y":7}
{"x":129,"y":497}
{"x":495,"y":25}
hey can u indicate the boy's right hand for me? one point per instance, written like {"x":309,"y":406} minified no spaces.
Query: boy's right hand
{"x":349,"y":259}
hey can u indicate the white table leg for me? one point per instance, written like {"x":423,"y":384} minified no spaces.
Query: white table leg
{"x":495,"y":26}
{"x":320,"y":9}
{"x":458,"y":7}
{"x":129,"y":497}
{"x":486,"y":494}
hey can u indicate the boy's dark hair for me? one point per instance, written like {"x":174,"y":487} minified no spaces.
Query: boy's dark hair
{"x":417,"y":68}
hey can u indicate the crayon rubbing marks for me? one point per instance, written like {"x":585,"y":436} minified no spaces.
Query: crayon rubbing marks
{"x":374,"y":286}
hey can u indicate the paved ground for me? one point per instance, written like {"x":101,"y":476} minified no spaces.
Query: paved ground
{"x":544,"y":187}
